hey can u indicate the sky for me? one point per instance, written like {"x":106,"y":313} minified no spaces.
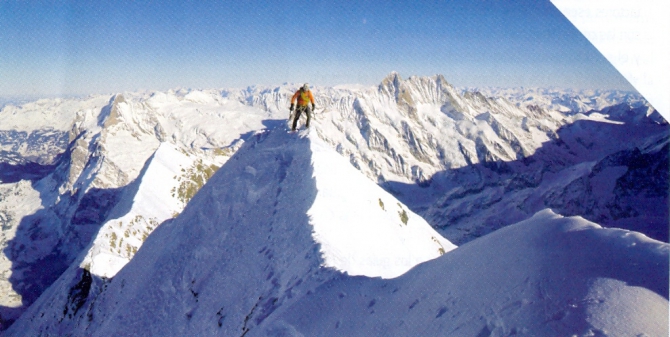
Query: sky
{"x":83,"y":47}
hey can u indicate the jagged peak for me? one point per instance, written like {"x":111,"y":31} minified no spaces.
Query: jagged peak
{"x":455,"y":116}
{"x":394,"y":76}
{"x":442,"y":82}
{"x":391,"y":83}
{"x":119,"y":98}
{"x":476,"y":95}
{"x":110,"y":115}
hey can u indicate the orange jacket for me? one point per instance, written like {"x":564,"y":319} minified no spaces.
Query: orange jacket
{"x":303,"y":97}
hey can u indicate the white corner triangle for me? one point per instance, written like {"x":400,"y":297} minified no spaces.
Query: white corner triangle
{"x":634,"y":36}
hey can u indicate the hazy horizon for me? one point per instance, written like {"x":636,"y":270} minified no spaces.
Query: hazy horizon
{"x":68,"y":49}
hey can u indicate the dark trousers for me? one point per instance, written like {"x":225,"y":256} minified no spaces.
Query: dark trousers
{"x":298,"y":111}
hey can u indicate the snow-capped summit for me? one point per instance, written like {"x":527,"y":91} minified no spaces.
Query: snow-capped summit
{"x":85,"y":181}
{"x":75,"y":166}
{"x":283,"y":215}
{"x":262,"y":248}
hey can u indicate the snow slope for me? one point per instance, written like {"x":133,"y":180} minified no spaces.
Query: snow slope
{"x":270,"y":226}
{"x":244,"y":259}
{"x":86,"y":159}
{"x":153,"y":195}
{"x":94,"y":176}
{"x":362,"y":229}
{"x":546,"y":276}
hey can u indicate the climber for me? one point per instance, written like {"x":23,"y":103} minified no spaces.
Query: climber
{"x":304,"y":97}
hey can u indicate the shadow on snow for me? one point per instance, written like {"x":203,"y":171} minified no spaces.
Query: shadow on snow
{"x":584,"y":171}
{"x":30,"y":278}
{"x":48,"y":242}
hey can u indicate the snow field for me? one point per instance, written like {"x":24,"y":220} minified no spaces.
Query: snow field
{"x":120,"y":238}
{"x":362,"y":229}
{"x":546,"y":276}
{"x":253,"y":240}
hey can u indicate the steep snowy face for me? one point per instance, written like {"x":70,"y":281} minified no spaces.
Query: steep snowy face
{"x":408,"y":130}
{"x":153,"y":198}
{"x":586,"y":170}
{"x":546,"y":276}
{"x":362,"y":229}
{"x":93,"y":177}
{"x":470,"y":163}
{"x":75,"y":196}
{"x":272,"y":224}
{"x":41,"y":240}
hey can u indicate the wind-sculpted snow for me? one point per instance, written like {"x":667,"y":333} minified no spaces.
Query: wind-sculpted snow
{"x":236,"y":262}
{"x":269,"y":227}
{"x":546,"y":276}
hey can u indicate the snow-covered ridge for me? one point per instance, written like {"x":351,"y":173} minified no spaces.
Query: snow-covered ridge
{"x":264,"y":230}
{"x":110,"y":142}
{"x":244,"y":258}
{"x":546,"y":276}
{"x":128,"y":226}
{"x":467,"y":162}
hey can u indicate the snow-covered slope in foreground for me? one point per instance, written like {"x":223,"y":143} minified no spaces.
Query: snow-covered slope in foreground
{"x":277,"y":220}
{"x":256,"y":251}
{"x":546,"y":276}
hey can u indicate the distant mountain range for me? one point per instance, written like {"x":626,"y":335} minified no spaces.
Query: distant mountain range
{"x":85,"y":182}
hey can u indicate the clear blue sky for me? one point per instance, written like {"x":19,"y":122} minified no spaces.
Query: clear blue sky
{"x":80,"y":47}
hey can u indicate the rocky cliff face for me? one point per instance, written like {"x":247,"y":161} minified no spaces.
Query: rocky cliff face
{"x":471,"y":164}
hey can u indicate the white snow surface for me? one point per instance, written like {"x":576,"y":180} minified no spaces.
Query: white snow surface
{"x":401,"y":132}
{"x":546,"y":276}
{"x":56,"y":114}
{"x":153,"y":196}
{"x":361,"y":227}
{"x":241,"y":260}
{"x":565,"y":100}
{"x":267,"y":228}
